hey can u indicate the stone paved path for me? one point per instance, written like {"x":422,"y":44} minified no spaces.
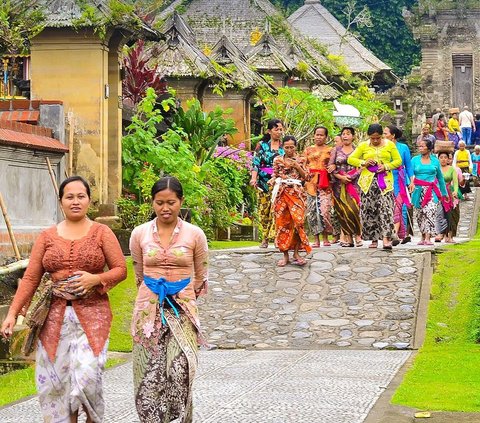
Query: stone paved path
{"x":262,"y":386}
{"x":332,"y":318}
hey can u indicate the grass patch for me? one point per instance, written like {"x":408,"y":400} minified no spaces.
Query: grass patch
{"x":19,"y":384}
{"x":122,"y":300}
{"x":220,"y":245}
{"x":445,"y":374}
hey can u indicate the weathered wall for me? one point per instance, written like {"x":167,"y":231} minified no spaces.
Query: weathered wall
{"x":238,"y":101}
{"x":76,"y":67}
{"x":28,"y":194}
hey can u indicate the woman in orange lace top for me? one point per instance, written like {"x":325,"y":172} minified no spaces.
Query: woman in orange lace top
{"x":319,"y":191}
{"x":71,"y":351}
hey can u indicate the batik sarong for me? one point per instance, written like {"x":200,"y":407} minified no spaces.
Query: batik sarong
{"x":376,"y":213}
{"x":319,"y":215}
{"x":289,"y":210}
{"x":265,"y":215}
{"x":348,"y":213}
{"x":75,"y":379}
{"x":427,"y":214}
{"x":163,"y":378}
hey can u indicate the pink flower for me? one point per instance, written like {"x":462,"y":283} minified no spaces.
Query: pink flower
{"x":148,"y":329}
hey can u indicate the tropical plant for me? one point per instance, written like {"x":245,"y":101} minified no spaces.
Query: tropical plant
{"x":20,"y":20}
{"x":301,"y":111}
{"x":202,"y":131}
{"x":139,"y":75}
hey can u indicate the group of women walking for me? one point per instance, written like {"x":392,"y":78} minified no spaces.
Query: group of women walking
{"x":369,"y":191}
{"x":169,"y":257}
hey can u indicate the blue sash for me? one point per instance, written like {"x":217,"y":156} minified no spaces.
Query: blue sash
{"x":163,"y":289}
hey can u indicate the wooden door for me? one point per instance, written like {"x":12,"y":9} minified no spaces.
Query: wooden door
{"x":462,"y":81}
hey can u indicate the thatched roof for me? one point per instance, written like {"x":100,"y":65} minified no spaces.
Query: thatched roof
{"x":315,"y":21}
{"x":65,"y":14}
{"x":227,"y":55}
{"x":241,"y":21}
{"x":178,"y":55}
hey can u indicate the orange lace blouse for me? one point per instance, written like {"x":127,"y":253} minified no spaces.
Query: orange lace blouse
{"x":61,"y":257}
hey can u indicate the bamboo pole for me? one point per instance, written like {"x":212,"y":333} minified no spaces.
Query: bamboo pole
{"x":13,"y":267}
{"x":54,"y":181}
{"x":9,"y":228}
{"x":70,"y":143}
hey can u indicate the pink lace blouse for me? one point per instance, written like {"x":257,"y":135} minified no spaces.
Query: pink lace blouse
{"x":186,"y":256}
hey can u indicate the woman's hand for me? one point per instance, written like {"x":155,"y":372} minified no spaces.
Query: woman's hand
{"x":454,"y":194}
{"x":381,"y":168}
{"x":7,"y":326}
{"x":331,"y":168}
{"x":345,"y":179}
{"x":85,"y":282}
{"x":411,"y":187}
{"x":253,"y":182}
{"x":370,"y":162}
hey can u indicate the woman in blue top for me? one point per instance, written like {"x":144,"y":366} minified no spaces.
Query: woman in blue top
{"x":262,"y":170}
{"x":427,"y":188}
{"x":401,"y":179}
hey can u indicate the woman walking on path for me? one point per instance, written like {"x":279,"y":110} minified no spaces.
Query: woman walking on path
{"x":448,"y":218}
{"x":288,"y":201}
{"x":401,"y":180}
{"x":377,"y":158}
{"x":319,"y":192}
{"x":72,"y":346}
{"x":427,"y":188}
{"x":262,"y":170}
{"x":346,"y":194}
{"x":463,"y":160}
{"x":170,"y":260}
{"x":476,"y":165}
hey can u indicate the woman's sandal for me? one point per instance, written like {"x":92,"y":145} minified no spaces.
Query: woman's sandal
{"x":373,"y":244}
{"x":359,"y":244}
{"x":326,"y":244}
{"x":347,"y":244}
{"x":388,"y":247}
{"x":299,"y":262}
{"x":315,"y":245}
{"x":282,"y":263}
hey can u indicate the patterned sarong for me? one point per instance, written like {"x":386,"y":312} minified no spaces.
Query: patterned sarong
{"x":74,"y":379}
{"x":427,"y":214}
{"x":376,"y":213}
{"x":289,"y":211}
{"x":348,"y":212}
{"x":265,"y":215}
{"x":163,"y":378}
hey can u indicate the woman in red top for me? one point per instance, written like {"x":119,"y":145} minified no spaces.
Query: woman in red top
{"x":72,"y":346}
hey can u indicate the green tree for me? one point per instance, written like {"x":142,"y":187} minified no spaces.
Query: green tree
{"x":389,"y":38}
{"x":20,"y":20}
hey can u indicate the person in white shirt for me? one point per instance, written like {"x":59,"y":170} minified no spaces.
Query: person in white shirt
{"x":467,"y":125}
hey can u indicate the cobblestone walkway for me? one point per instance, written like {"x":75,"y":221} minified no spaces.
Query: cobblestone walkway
{"x":318,"y":335}
{"x":262,"y":386}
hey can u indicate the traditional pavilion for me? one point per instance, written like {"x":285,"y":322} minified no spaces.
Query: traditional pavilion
{"x":316,"y":22}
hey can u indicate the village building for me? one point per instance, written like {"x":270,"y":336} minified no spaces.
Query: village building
{"x":31,"y":145}
{"x":316,"y":22}
{"x":79,"y":63}
{"x":449,"y":74}
{"x":248,"y":46}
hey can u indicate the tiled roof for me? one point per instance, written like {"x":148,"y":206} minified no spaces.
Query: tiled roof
{"x":30,"y":137}
{"x":315,"y":21}
{"x":28,"y":116}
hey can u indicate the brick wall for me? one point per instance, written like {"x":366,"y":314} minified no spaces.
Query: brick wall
{"x":24,"y":240}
